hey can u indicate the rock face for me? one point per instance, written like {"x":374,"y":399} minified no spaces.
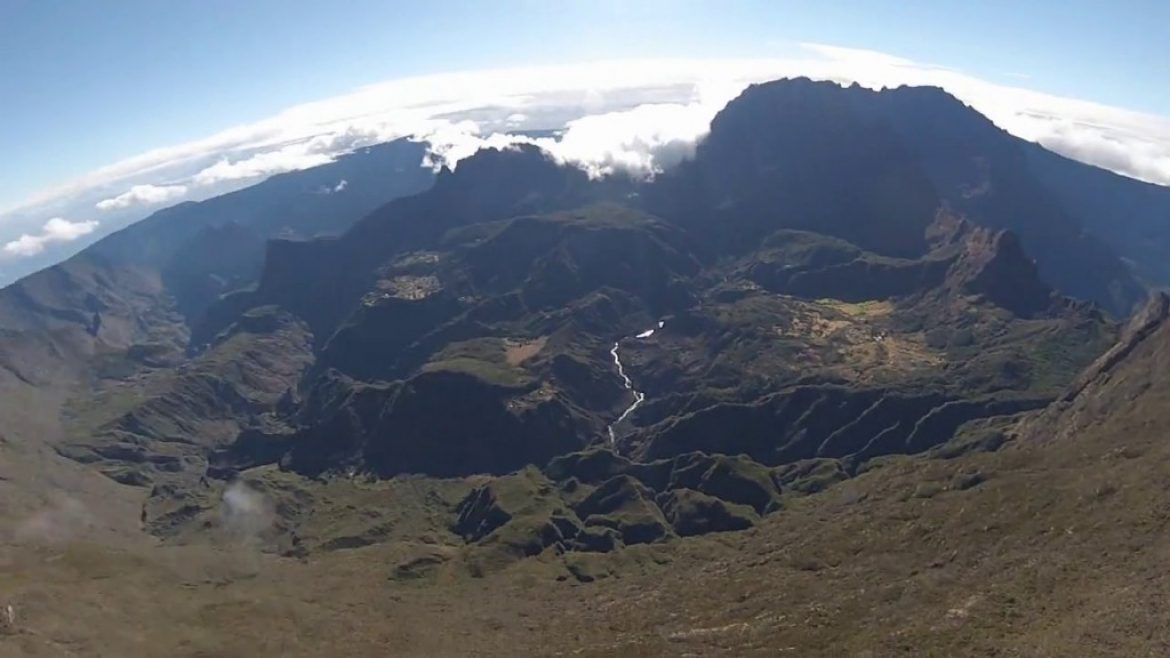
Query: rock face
{"x":1126,"y":384}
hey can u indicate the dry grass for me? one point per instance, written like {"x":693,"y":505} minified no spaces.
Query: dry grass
{"x":517,"y":352}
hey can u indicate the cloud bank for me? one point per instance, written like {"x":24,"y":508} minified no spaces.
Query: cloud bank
{"x":56,"y":229}
{"x":290,"y":158}
{"x":641,"y":142}
{"x":637,"y":116}
{"x":144,"y":195}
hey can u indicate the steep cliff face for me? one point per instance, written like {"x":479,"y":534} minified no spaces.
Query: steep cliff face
{"x":995,"y":180}
{"x":799,"y":155}
{"x":1125,"y":387}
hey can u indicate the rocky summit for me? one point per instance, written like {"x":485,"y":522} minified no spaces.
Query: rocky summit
{"x":865,"y":375}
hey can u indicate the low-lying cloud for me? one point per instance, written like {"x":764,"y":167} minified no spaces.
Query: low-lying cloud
{"x":261,"y":165}
{"x":143,"y":195}
{"x":637,"y":116}
{"x":641,"y":141}
{"x":246,"y":513}
{"x":63,"y":519}
{"x":56,"y":229}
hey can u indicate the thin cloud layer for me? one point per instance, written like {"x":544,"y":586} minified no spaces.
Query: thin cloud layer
{"x":144,"y":195}
{"x":632,"y":116}
{"x":56,"y":229}
{"x":290,"y":158}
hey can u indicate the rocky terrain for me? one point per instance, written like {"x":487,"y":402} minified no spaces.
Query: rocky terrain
{"x":890,"y":404}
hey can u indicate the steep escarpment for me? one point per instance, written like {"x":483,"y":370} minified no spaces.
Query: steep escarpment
{"x":509,"y":323}
{"x":995,"y":180}
{"x":105,"y":334}
{"x":1127,"y":214}
{"x":443,"y":423}
{"x":799,"y":155}
{"x":504,"y":286}
{"x":127,"y":303}
{"x":1125,"y":386}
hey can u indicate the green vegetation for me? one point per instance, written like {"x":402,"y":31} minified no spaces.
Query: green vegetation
{"x":485,"y":358}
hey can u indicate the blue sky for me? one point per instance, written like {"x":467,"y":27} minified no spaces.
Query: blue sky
{"x":85,"y":83}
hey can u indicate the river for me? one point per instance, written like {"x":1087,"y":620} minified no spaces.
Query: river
{"x":639,"y":396}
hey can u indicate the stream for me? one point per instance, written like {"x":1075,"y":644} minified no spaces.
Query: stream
{"x":639,"y":396}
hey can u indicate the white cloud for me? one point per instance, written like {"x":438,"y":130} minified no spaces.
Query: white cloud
{"x":334,"y":189}
{"x":54,"y":230}
{"x":143,"y":195}
{"x":262,"y":164}
{"x":641,"y":141}
{"x":451,"y":142}
{"x":636,"y":115}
